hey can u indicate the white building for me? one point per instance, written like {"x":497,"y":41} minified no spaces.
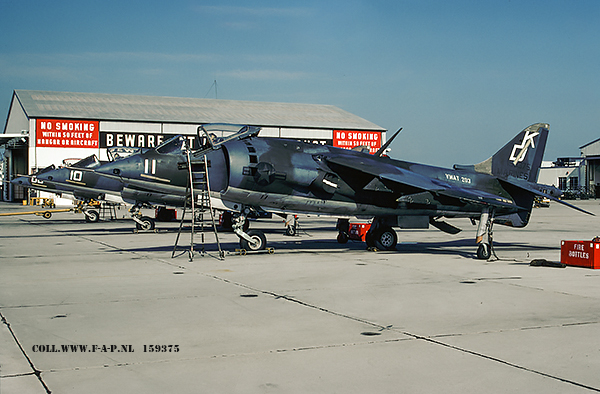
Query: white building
{"x":590,"y":153}
{"x":45,"y":128}
{"x":576,"y":176}
{"x":564,"y":173}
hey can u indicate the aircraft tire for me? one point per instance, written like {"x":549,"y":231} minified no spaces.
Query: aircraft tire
{"x":342,"y":237}
{"x":92,"y":216}
{"x":290,"y":231}
{"x":147,"y":224}
{"x":259,"y":238}
{"x":483,"y":251}
{"x":370,"y":239}
{"x":386,"y":238}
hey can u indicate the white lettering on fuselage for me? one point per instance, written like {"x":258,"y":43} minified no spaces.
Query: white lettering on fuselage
{"x":458,"y":178}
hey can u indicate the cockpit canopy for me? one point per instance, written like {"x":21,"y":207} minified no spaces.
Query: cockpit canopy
{"x":89,"y":162}
{"x":51,"y":167}
{"x":119,"y":152}
{"x":175,"y":145}
{"x":213,"y":135}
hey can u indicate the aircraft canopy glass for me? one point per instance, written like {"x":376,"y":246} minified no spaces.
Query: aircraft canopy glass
{"x":46,"y":169}
{"x":175,"y":145}
{"x":120,"y":152}
{"x":89,"y":162}
{"x":213,"y":135}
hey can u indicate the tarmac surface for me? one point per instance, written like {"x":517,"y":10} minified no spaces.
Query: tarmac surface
{"x":95,"y":308}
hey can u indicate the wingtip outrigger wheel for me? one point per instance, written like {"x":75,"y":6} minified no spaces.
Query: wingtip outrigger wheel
{"x":291,"y":225}
{"x":91,"y":215}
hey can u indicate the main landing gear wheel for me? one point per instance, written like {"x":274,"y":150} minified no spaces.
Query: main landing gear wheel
{"x":485,"y":235}
{"x":385,"y":238}
{"x":91,"y":216}
{"x":259,"y":241}
{"x":147,"y":224}
{"x":370,"y":240}
{"x":484,"y":251}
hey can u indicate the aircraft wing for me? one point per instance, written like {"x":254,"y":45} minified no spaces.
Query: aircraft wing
{"x":388,"y":172}
{"x":480,"y":197}
{"x":403,"y":177}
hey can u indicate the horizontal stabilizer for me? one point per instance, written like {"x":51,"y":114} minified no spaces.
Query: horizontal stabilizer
{"x":568,"y":205}
{"x":530,"y":187}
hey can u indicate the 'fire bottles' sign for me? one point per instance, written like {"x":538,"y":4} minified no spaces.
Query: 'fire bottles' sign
{"x":69,"y":133}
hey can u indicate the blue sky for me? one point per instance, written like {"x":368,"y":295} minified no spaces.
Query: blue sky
{"x":461,"y":77}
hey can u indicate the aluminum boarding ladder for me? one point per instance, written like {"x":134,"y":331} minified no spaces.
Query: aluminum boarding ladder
{"x":198,"y":196}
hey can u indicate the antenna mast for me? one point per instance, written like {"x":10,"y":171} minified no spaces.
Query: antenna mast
{"x":209,"y":89}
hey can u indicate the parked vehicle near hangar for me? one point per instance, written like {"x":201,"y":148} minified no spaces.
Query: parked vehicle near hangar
{"x":249,"y":173}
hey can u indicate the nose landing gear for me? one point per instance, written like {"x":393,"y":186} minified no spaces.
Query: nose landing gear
{"x":253,"y":240}
{"x":142,"y":223}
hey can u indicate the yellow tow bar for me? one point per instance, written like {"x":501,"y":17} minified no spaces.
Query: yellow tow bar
{"x":47,"y":214}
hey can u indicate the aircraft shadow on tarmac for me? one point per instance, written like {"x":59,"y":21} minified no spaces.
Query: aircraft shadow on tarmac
{"x":308,"y":241}
{"x":308,"y":245}
{"x":454,"y":247}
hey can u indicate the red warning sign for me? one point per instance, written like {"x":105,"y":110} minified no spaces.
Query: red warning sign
{"x":351,"y":139}
{"x":69,"y":133}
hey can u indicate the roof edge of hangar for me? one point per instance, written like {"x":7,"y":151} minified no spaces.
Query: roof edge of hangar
{"x":123,"y":107}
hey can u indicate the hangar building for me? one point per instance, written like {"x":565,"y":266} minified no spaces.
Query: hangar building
{"x":578,"y":177}
{"x":590,"y":152}
{"x":45,"y":127}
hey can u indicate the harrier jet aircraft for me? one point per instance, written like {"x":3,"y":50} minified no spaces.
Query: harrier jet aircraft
{"x":77,"y":180}
{"x":248,"y":173}
{"x":81,"y":181}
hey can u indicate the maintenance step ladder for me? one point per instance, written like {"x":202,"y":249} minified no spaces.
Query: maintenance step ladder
{"x":198,"y":196}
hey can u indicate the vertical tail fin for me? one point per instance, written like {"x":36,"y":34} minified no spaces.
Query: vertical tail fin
{"x":520,"y":158}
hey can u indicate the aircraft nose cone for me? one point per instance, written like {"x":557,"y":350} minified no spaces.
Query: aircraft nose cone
{"x":21,"y":181}
{"x":48,"y":176}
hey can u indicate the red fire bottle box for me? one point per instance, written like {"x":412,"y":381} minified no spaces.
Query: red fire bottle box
{"x":358,"y":231}
{"x":580,"y":253}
